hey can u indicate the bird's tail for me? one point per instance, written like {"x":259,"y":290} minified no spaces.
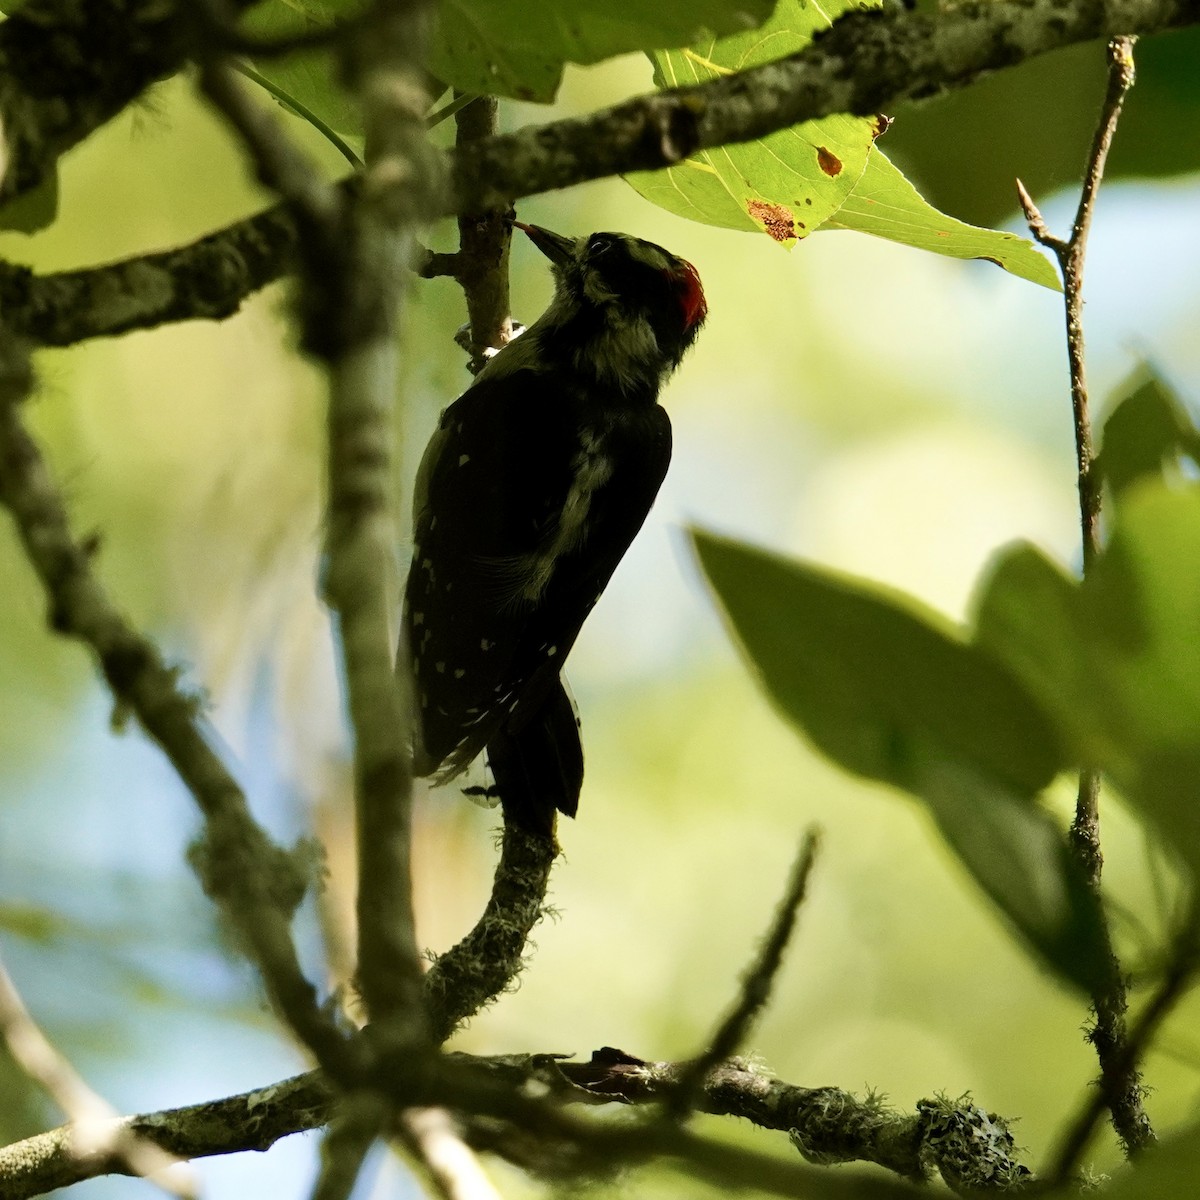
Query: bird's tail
{"x":538,"y":767}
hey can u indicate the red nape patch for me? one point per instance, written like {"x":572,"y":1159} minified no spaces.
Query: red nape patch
{"x":691,"y":295}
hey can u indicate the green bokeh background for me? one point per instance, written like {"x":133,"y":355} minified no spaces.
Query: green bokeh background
{"x":861,"y":404}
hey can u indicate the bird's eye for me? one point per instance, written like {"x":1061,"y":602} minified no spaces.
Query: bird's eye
{"x":598,"y":243}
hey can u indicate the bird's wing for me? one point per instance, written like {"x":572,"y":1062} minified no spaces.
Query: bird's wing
{"x":524,"y":507}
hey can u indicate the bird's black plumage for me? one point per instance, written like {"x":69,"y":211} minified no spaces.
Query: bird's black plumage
{"x":529,"y":493}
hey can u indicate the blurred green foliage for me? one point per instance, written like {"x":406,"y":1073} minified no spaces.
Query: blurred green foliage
{"x":884,"y":690}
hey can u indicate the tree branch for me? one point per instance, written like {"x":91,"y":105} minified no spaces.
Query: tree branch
{"x":483,"y":245}
{"x":359,"y":1119}
{"x":400,"y":182}
{"x":479,"y":968}
{"x":354,"y":269}
{"x":206,"y":280}
{"x":867,"y":62}
{"x":1071,"y":254}
{"x":251,"y":1121}
{"x":756,"y":986}
{"x":67,"y":67}
{"x":970,"y":1147}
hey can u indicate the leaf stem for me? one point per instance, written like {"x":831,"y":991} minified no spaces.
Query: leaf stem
{"x":289,"y":101}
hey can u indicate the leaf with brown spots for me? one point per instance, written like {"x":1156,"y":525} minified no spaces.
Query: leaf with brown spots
{"x":826,"y":169}
{"x":828,"y":161}
{"x":776,"y":219}
{"x":756,"y":186}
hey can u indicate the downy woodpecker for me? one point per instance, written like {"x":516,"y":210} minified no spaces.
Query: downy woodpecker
{"x":537,"y":479}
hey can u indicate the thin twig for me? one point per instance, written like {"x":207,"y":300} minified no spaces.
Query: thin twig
{"x":359,"y":1121}
{"x":1184,"y":964}
{"x":316,"y":207}
{"x":1071,"y":255}
{"x":95,"y":1130}
{"x":453,"y":1168}
{"x":756,"y":985}
{"x":1110,"y":999}
{"x":435,"y":263}
{"x":280,"y":164}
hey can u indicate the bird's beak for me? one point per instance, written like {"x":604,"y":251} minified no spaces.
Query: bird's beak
{"x":554,"y":246}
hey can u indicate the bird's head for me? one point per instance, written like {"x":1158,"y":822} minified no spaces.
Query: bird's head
{"x":626,"y":310}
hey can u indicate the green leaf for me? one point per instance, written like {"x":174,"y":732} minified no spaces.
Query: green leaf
{"x":309,"y":77}
{"x":497,"y":47}
{"x":1148,"y":429}
{"x":1141,"y":611}
{"x":1027,"y":616}
{"x":514,"y":48}
{"x":34,"y":210}
{"x":890,"y":691}
{"x":1018,"y":856}
{"x":786,"y":184}
{"x":878,"y":682}
{"x":1116,"y":660}
{"x":886,"y":205}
